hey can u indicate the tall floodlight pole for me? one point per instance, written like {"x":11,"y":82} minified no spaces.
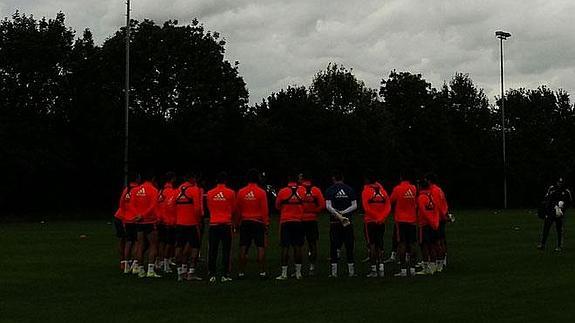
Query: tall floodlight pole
{"x":127,"y":95}
{"x":502,"y":35}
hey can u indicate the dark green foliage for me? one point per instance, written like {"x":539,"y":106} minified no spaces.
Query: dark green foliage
{"x":62,"y":121}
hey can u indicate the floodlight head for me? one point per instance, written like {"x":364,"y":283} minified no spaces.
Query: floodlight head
{"x":502,"y":34}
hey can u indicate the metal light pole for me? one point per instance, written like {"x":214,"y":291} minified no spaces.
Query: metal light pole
{"x":127,"y":95}
{"x":502,"y":35}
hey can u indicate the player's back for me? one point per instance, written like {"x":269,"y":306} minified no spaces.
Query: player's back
{"x":252,"y":204}
{"x":290,"y":204}
{"x":440,"y":200}
{"x":144,"y":201}
{"x":166,"y":207}
{"x":375,"y":203}
{"x":403,"y":198}
{"x":341,"y":196}
{"x":221,"y":203}
{"x":188,"y":204}
{"x":313,"y":201}
{"x":427,"y":209}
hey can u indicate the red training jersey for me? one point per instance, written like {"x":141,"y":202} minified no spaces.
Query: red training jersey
{"x":290,"y":203}
{"x":126,"y":211}
{"x":166,"y":205}
{"x":252,"y":204}
{"x":375,"y":203}
{"x":221,"y":204}
{"x":441,"y":202}
{"x":313,"y":201}
{"x":189,"y":204}
{"x":403,"y":200}
{"x":143,"y":200}
{"x":427,"y":210}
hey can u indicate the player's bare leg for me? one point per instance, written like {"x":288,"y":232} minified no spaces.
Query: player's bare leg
{"x":312,"y":246}
{"x":152,"y":237}
{"x":298,"y":257}
{"x":284,"y":259}
{"x":262,"y":262}
{"x":243,"y":261}
{"x":373,"y":260}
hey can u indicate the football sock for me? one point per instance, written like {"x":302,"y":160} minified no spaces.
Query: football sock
{"x":123,"y":264}
{"x":134,"y":265}
{"x":184,"y":269}
{"x":334,"y":269}
{"x":166,"y":264}
{"x":298,"y":269}
{"x":373,"y":268}
{"x":284,"y":271}
{"x":311,"y":267}
{"x":381,"y":267}
{"x":392,"y":255}
{"x":150,"y":268}
{"x":404,"y":271}
{"x":351,"y":269}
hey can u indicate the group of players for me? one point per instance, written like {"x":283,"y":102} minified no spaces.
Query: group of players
{"x":164,"y":227}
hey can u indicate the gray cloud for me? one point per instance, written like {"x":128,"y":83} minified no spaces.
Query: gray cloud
{"x":280,"y":43}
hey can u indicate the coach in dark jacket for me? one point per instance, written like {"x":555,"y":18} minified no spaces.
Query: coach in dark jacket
{"x":556,"y":201}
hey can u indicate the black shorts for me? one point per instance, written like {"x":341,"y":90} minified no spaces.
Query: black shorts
{"x":131,"y":231}
{"x":146,"y":228}
{"x":374,"y":234}
{"x":441,"y":233}
{"x":252,"y":230}
{"x":188,"y":234}
{"x":120,"y":230}
{"x":162,"y":232}
{"x":427,"y":234}
{"x":406,"y":232}
{"x":291,"y":234}
{"x":310,"y":231}
{"x":170,"y":235}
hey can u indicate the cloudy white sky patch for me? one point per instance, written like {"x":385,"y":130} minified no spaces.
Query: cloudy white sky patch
{"x":281,"y":43}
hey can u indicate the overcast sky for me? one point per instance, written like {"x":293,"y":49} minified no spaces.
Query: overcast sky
{"x":281,"y":43}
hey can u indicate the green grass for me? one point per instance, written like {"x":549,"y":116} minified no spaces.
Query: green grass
{"x":47,"y":273}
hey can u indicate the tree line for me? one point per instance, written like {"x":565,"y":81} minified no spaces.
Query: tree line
{"x":61,"y":121}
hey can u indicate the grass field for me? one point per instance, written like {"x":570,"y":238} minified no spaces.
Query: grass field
{"x":495,"y":273}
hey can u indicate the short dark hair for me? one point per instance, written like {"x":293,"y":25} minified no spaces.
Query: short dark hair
{"x":134,"y":176}
{"x":253,"y":176}
{"x":170,"y":177}
{"x":222,"y":177}
{"x":431,"y":177}
{"x":370,"y":176}
{"x":337,"y":175}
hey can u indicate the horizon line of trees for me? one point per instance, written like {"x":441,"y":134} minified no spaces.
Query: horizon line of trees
{"x":61,"y":121}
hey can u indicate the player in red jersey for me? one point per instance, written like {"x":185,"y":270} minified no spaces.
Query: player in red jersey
{"x":189,"y":216}
{"x":144,"y":198}
{"x":313,"y":203}
{"x":124,"y":223}
{"x":428,"y":219}
{"x":377,"y":207}
{"x":221,"y":202}
{"x":166,"y":213}
{"x":443,"y":209}
{"x":253,"y":215}
{"x":290,"y":203}
{"x":404,"y":204}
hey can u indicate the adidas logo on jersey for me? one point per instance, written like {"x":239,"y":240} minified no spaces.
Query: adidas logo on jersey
{"x":341,"y":194}
{"x":409,"y":195}
{"x":141,"y":192}
{"x":250,"y":196}
{"x":219,"y":197}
